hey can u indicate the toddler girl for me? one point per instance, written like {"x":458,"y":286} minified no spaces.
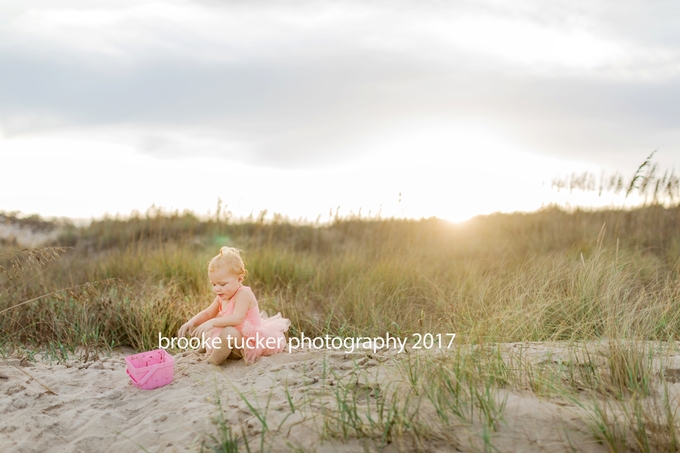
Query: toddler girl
{"x":234,"y":316}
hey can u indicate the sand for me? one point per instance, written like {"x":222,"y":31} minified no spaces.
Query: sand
{"x":95,"y":407}
{"x":24,"y":236}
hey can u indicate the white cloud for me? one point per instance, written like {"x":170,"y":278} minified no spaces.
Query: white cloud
{"x":119,"y":34}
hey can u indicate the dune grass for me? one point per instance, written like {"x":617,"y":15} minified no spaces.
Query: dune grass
{"x":550,"y":275}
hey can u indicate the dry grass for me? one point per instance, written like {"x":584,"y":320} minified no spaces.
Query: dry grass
{"x":501,"y":278}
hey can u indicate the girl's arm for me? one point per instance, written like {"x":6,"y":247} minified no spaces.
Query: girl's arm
{"x":201,"y":317}
{"x":241,"y":305}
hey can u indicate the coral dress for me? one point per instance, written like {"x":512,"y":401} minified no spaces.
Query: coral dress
{"x":266,"y":334}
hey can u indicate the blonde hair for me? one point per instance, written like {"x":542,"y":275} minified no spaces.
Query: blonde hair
{"x":229,"y":259}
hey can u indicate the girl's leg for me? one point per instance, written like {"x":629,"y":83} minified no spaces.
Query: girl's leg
{"x":213,"y":333}
{"x":230,"y":338}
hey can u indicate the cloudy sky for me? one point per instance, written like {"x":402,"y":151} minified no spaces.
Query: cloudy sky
{"x":409,"y":108}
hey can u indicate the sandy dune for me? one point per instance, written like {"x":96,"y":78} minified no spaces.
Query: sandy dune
{"x":12,"y":231}
{"x":97,"y":409}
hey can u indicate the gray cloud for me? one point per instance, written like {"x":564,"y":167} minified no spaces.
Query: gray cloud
{"x":306,"y":92}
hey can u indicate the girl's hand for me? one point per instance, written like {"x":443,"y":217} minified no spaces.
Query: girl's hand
{"x":206,"y":327}
{"x":186,"y":328}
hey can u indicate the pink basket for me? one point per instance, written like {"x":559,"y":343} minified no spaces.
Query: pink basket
{"x":150,"y":370}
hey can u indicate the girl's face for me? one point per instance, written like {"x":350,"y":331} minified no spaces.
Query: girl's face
{"x":225,"y":283}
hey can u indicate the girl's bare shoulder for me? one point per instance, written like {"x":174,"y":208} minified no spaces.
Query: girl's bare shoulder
{"x":247,"y":295}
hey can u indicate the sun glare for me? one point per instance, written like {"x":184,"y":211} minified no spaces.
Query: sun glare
{"x":453,"y":170}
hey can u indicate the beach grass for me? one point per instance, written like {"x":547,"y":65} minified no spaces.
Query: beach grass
{"x":549,"y":275}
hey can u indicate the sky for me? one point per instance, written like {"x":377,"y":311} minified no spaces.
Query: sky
{"x":403,"y":108}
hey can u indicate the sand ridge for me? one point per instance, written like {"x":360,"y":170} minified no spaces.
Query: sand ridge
{"x":97,"y":409}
